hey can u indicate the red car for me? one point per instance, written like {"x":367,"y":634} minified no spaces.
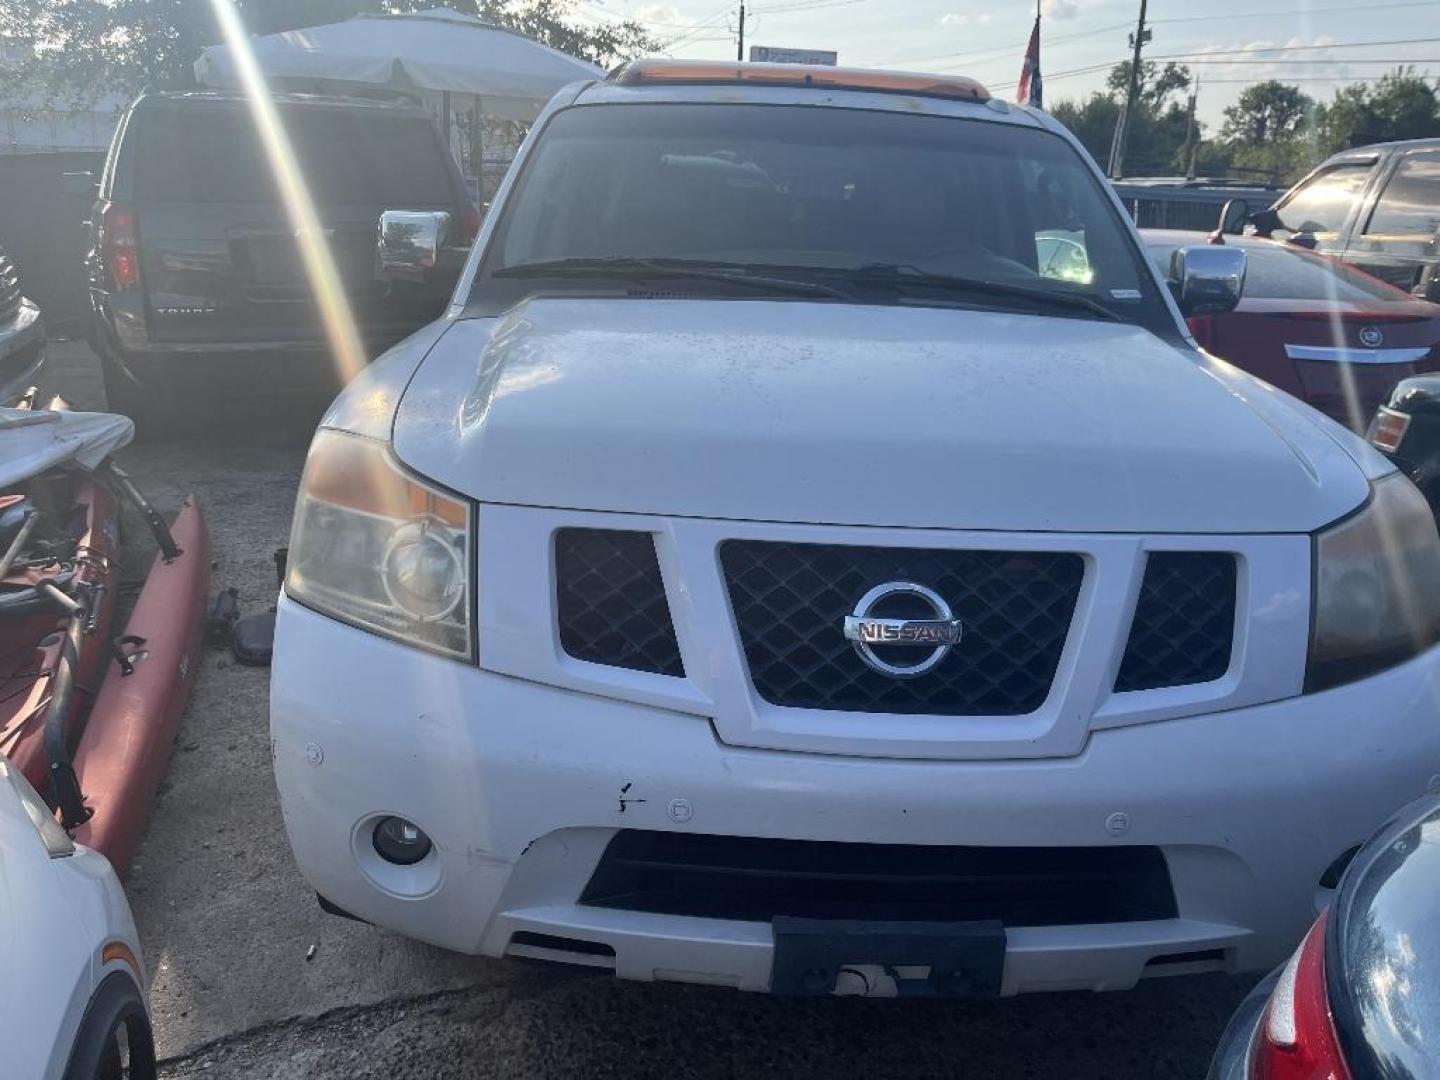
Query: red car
{"x":1332,"y":335}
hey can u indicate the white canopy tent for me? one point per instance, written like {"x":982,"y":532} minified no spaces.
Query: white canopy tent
{"x":439,"y":50}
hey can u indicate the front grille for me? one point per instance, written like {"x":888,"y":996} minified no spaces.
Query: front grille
{"x":611,"y":601}
{"x":790,"y":602}
{"x":1184,"y":621}
{"x":9,"y":288}
{"x":754,"y":880}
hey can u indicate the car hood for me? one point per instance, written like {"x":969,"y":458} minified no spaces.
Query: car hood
{"x":864,"y":415}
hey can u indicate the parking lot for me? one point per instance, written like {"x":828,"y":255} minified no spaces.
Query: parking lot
{"x":252,"y":979}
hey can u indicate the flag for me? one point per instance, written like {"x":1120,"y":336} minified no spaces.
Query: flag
{"x":1029,"y":90}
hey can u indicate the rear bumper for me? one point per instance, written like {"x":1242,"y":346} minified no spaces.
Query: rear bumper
{"x":122,"y":329}
{"x":522,"y":786}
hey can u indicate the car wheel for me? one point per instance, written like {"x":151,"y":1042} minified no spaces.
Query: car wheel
{"x":114,"y":1041}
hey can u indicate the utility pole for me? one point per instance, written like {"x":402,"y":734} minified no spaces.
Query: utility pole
{"x":740,"y":47}
{"x":1132,"y":94}
{"x":1192,"y":135}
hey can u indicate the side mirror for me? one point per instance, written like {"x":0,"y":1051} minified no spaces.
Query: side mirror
{"x":79,"y":184}
{"x":1233,"y":216}
{"x":410,"y":241}
{"x":1429,"y":287}
{"x":1266,"y":221}
{"x":1207,"y":280}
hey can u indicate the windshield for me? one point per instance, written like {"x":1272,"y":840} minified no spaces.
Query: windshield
{"x":348,"y":156}
{"x":831,"y":195}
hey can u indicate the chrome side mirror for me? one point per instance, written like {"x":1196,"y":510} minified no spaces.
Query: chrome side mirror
{"x":409,"y":242}
{"x":1207,"y":280}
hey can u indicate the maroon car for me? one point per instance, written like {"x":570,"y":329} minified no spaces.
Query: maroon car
{"x":1330,"y":334}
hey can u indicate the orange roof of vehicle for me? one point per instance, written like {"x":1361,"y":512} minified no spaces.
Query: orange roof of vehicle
{"x":719,"y":72}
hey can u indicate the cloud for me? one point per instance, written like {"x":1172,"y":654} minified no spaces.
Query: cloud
{"x":1250,"y":62}
{"x":960,"y":19}
{"x":667,"y":14}
{"x":1060,"y":9}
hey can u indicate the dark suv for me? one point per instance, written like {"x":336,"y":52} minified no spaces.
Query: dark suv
{"x":1376,"y":207}
{"x":196,"y":279}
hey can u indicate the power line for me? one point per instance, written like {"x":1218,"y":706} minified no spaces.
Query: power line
{"x":1247,"y":51}
{"x":1304,"y":79}
{"x":1322,"y":60}
{"x":997,"y":87}
{"x":1007,"y":50}
{"x":1348,"y":8}
{"x":704,"y":24}
{"x":806,"y":5}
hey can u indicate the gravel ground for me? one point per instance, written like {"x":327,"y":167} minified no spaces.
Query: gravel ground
{"x":251,"y":980}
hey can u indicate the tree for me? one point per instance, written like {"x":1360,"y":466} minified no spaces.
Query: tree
{"x":83,"y":49}
{"x":1158,"y":129}
{"x":1266,"y":112}
{"x":1156,"y":84}
{"x":1402,"y":105}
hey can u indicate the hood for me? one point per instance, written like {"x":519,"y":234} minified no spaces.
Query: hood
{"x":864,"y":415}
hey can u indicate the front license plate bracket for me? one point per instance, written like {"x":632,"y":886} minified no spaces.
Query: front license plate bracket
{"x":965,"y":959}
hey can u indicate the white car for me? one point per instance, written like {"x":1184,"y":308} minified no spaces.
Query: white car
{"x":766,"y":575}
{"x":72,"y":985}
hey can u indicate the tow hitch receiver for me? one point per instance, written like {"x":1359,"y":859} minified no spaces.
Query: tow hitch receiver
{"x":958,"y":959}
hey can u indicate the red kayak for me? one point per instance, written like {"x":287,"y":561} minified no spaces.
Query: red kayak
{"x":87,"y":714}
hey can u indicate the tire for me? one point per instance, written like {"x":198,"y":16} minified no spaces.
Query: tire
{"x":153,"y":406}
{"x":114,"y":1041}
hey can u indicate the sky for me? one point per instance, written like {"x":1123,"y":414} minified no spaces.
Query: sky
{"x":1227,"y":43}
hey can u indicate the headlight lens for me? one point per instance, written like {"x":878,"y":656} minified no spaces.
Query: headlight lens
{"x":374,"y":546}
{"x":1377,"y":587}
{"x":57,"y":842}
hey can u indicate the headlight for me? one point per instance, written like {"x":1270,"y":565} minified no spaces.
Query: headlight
{"x":376,"y":547}
{"x":1377,"y":587}
{"x":55,"y":839}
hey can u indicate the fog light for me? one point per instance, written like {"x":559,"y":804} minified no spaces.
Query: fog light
{"x":401,"y":842}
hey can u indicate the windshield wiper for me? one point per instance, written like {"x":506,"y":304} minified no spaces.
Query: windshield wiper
{"x":622,"y":266}
{"x":906,"y":274}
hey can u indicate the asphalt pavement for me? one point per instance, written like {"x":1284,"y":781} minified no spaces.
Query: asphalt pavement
{"x":252,"y":980}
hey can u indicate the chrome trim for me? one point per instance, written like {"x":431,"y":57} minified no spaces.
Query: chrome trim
{"x":1346,"y":355}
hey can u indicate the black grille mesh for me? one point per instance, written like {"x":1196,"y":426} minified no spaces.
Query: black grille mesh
{"x":790,"y":603}
{"x":755,"y":880}
{"x":1184,"y":621}
{"x":9,"y":288}
{"x":611,"y":601}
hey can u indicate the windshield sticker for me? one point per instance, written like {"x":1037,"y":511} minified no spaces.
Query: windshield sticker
{"x":1125,"y":294}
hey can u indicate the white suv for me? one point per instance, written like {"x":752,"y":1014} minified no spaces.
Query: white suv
{"x":776,"y":572}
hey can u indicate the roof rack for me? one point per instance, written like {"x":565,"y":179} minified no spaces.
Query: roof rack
{"x":722,"y":72}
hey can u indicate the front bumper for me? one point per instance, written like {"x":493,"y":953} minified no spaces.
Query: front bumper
{"x":522,"y":785}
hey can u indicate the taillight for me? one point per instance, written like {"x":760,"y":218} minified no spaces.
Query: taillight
{"x":470,"y":222}
{"x":118,"y":247}
{"x":1202,"y":327}
{"x":1297,"y":1039}
{"x":1388,"y":428}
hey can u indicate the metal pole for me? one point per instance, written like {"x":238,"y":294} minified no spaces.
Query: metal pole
{"x":1192,"y":140}
{"x":740,"y":47}
{"x":18,"y":544}
{"x":1117,"y":162}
